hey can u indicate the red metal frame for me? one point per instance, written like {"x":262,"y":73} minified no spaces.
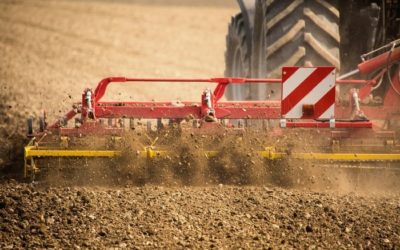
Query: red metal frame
{"x":154,"y":110}
{"x":350,"y":124}
{"x":223,"y":110}
{"x":92,"y":109}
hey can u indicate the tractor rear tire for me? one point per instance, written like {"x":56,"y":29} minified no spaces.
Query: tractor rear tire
{"x":237,"y":58}
{"x":294,"y":33}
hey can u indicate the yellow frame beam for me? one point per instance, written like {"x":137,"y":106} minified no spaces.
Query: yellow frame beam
{"x":31,"y":152}
{"x":334,"y":156}
{"x":268,"y":153}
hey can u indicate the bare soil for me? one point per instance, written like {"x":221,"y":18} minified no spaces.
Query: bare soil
{"x":51,"y":50}
{"x":194,"y":217}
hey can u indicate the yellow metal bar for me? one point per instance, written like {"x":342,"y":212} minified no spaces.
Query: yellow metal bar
{"x":149,"y":152}
{"x":346,"y":157}
{"x":210,"y":154}
{"x":269,"y":153}
{"x":32,"y":152}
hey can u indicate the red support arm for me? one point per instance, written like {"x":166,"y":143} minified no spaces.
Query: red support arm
{"x":380,"y":61}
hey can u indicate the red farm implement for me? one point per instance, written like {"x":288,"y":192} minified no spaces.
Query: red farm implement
{"x":343,"y":126}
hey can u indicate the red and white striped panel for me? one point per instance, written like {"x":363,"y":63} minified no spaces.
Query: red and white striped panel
{"x":311,"y":86}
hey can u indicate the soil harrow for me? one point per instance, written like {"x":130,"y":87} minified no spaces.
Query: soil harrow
{"x":345,"y":129}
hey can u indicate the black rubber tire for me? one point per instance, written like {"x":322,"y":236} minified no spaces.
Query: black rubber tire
{"x":259,"y":60}
{"x":294,"y":33}
{"x":237,"y":58}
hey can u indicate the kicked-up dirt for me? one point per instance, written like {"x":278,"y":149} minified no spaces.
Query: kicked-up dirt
{"x":51,"y":50}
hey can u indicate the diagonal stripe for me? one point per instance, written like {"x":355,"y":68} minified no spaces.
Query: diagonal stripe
{"x":287,"y":72}
{"x":291,"y":81}
{"x":312,"y":97}
{"x":305,"y":88}
{"x":325,"y":103}
{"x":329,"y":113}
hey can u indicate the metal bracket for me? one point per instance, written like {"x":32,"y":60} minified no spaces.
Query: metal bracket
{"x":282,"y":123}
